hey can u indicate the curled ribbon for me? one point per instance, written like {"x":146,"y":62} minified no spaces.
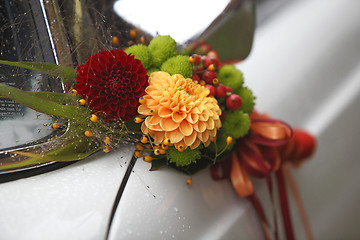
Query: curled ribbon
{"x":270,"y":143}
{"x":240,"y":180}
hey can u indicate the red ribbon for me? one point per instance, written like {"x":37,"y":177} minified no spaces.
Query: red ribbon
{"x":270,"y":143}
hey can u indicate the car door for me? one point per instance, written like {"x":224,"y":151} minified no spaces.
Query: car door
{"x":83,"y":200}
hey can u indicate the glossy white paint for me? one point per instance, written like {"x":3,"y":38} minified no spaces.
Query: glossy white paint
{"x":160,"y":205}
{"x":70,"y":203}
{"x":304,"y":68}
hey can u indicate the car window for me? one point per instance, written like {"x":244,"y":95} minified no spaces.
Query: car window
{"x":24,"y":36}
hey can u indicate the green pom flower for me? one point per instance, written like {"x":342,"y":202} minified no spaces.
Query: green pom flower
{"x":178,"y":65}
{"x":236,"y":124}
{"x":151,"y":70}
{"x":248,"y":99}
{"x":162,"y":48}
{"x":230,"y":76}
{"x":142,"y":53}
{"x":184,"y":158}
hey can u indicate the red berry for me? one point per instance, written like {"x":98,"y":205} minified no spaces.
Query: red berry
{"x":196,"y":78}
{"x":233,"y":102}
{"x":213,"y":53}
{"x":199,"y":68}
{"x":204,"y":48}
{"x":195,"y":59}
{"x":211,"y":89}
{"x":220,"y":91}
{"x":208,"y":76}
{"x":207,"y":61}
{"x":194,"y":45}
{"x":229,"y":90}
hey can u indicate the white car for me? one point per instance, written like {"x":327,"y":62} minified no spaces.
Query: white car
{"x":304,"y":68}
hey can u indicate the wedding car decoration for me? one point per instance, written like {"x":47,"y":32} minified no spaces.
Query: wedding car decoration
{"x":182,"y":108}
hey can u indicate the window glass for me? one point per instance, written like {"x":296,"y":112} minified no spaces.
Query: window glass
{"x":23,"y":37}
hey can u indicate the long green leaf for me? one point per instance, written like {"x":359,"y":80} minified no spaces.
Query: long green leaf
{"x":59,"y":158}
{"x":43,"y":105}
{"x":73,"y":151}
{"x":20,"y":164}
{"x":68,"y":74}
{"x":61,"y":98}
{"x":78,"y":145}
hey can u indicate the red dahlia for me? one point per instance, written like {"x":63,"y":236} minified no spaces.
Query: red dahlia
{"x":112,"y":82}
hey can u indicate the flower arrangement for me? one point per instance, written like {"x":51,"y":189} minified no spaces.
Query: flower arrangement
{"x":185,"y":109}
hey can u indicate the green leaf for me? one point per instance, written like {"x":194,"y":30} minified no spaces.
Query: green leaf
{"x":74,"y":131}
{"x":60,"y":98}
{"x":156,"y":164}
{"x":66,"y":73}
{"x":73,"y":151}
{"x":43,"y":105}
{"x":19,"y":164}
{"x":78,"y":145}
{"x":184,"y":158}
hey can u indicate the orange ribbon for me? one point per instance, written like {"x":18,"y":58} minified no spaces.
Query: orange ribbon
{"x":239,"y":179}
{"x":270,"y":143}
{"x":271,"y":130}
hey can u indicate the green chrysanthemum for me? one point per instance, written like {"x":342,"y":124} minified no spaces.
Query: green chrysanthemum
{"x":142,"y":53}
{"x":178,"y":65}
{"x":184,"y":158}
{"x":248,"y":99}
{"x":162,"y":48}
{"x":236,"y":124}
{"x":230,"y":76}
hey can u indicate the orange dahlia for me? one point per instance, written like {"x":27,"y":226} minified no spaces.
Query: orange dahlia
{"x":179,"y":109}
